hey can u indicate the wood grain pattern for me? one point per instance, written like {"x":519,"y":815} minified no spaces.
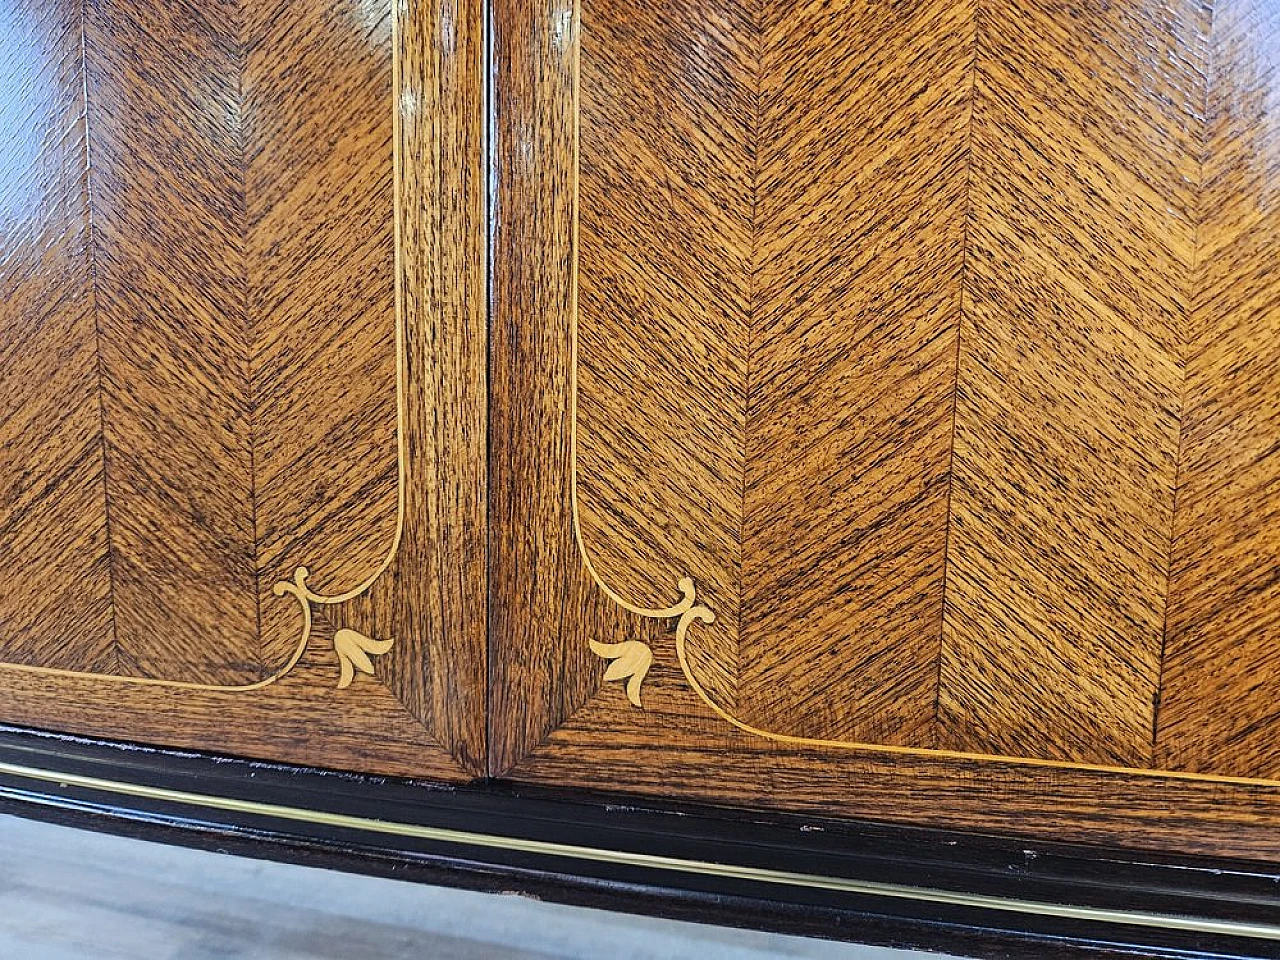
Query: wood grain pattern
{"x":761,"y":362}
{"x":956,"y":297}
{"x":1220,"y":695}
{"x":541,"y":590}
{"x":51,"y":446}
{"x":853,"y":365}
{"x":662,"y":335}
{"x":194,"y":382}
{"x":676,"y":748}
{"x":320,"y":237}
{"x":991,"y":523}
{"x":254,"y":295}
{"x":433,"y":598}
{"x":932,"y":340}
{"x":1078,"y":274}
{"x":167,"y":223}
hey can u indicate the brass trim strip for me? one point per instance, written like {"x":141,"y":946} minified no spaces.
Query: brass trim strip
{"x":688,"y":610}
{"x":352,"y":648}
{"x":1207,"y":925}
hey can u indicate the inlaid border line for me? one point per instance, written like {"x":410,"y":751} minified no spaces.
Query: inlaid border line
{"x":632,"y":658}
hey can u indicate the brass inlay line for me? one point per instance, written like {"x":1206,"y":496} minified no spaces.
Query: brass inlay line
{"x":1206,"y":925}
{"x":630,"y":664}
{"x":351,"y":647}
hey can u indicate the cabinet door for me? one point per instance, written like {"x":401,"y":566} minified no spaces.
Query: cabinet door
{"x":241,"y":377}
{"x":886,"y":410}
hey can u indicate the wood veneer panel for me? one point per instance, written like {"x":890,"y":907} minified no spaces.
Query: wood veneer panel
{"x":858,"y":230}
{"x":55,"y":606}
{"x":434,"y":596}
{"x":764,"y":362}
{"x":1121,"y":323}
{"x":239,"y":259}
{"x":1220,"y":695}
{"x":333,"y":350}
{"x":676,"y":748}
{"x":321,"y":252}
{"x":300,"y":719}
{"x":246,"y":281}
{"x":667,"y":162}
{"x":1078,"y":280}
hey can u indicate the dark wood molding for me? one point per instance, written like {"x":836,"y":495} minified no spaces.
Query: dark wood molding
{"x":961,"y":892}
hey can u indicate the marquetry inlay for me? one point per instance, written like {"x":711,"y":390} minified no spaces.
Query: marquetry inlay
{"x":939,"y":378}
{"x":176,"y":545}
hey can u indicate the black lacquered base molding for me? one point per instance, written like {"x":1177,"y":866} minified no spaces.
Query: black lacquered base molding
{"x":961,"y":893}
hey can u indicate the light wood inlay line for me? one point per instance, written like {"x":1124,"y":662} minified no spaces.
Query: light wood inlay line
{"x":352,"y":649}
{"x":1162,"y":305}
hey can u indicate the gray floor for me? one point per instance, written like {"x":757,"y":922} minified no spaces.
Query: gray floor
{"x":71,"y":895}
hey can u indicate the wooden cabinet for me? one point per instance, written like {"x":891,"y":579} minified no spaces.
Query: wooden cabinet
{"x":242,"y":397}
{"x":863,"y":408}
{"x":915,"y":371}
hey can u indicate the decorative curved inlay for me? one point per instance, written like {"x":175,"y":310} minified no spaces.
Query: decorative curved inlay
{"x":352,"y":649}
{"x":632,"y":659}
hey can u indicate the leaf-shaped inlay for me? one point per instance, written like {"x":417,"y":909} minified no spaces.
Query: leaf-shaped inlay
{"x":353,"y":649}
{"x":631,"y":662}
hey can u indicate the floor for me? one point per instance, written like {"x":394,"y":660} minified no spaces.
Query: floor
{"x":72,"y":895}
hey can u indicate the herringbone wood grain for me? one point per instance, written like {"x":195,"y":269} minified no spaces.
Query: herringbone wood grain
{"x":203,"y":279}
{"x":1220,"y":689}
{"x":933,"y":342}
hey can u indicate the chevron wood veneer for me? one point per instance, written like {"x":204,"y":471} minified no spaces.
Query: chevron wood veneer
{"x":933,"y":343}
{"x":235,"y":332}
{"x":857,"y":407}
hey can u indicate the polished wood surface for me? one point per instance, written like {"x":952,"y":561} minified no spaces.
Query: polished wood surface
{"x":1084,"y":175}
{"x":540,"y":594}
{"x":904,"y":332}
{"x":243,"y":335}
{"x":50,"y":423}
{"x":885,"y":391}
{"x":202,"y":369}
{"x":851,"y":362}
{"x":1220,"y":693}
{"x":910,"y":418}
